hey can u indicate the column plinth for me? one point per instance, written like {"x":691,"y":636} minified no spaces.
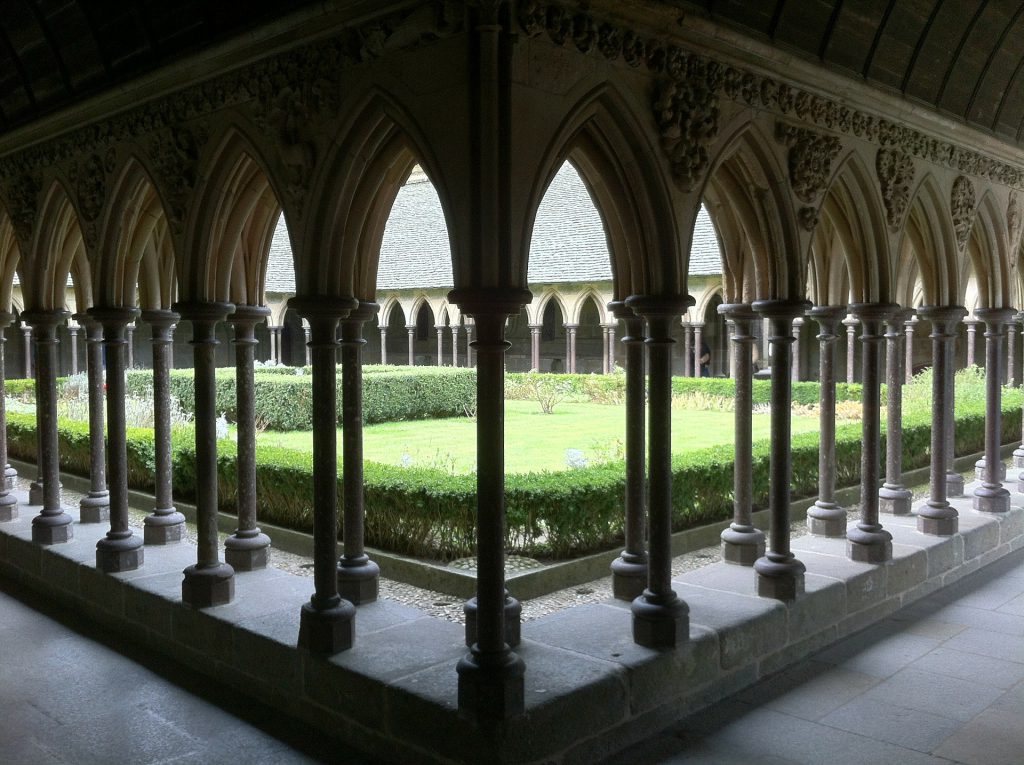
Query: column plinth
{"x":894,"y":497}
{"x":327,"y":621}
{"x":991,"y":497}
{"x":867,"y":541}
{"x":165,"y":525}
{"x":358,"y":577}
{"x":209,"y":582}
{"x":248,"y":548}
{"x":491,"y":676}
{"x":94,"y":507}
{"x":120,"y":549}
{"x":52,"y":525}
{"x":629,"y":570}
{"x":660,"y":618}
{"x":937,"y":516}
{"x":8,"y":502}
{"x":779,"y":574}
{"x":826,"y":518}
{"x":742,"y":544}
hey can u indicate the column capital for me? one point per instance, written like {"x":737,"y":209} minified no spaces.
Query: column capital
{"x":620,"y":310}
{"x":737,"y":311}
{"x":780,"y":309}
{"x":571,"y":327}
{"x":971,"y":321}
{"x":872,"y":316}
{"x":659,"y":305}
{"x":248,"y":314}
{"x":827,"y":317}
{"x":113,"y":317}
{"x":898,"y":318}
{"x":314,"y":308}
{"x":943,"y":318}
{"x":203,"y":311}
{"x":994,"y":318}
{"x":161,"y":318}
{"x":6,"y":319}
{"x":44,"y":317}
{"x":364,"y":311}
{"x":480,"y":301}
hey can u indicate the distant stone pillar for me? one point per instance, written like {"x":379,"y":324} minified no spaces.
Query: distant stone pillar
{"x":991,"y":497}
{"x":611,"y":348}
{"x":570,"y":342}
{"x":383,"y":345}
{"x":1011,"y":352}
{"x":972,"y":328}
{"x":535,"y":330}
{"x":937,"y":516}
{"x":26,"y":332}
{"x":730,"y":330}
{"x":8,"y":502}
{"x":954,"y":481}
{"x":851,"y":347}
{"x":687,"y":350}
{"x":470,"y":348}
{"x":410,"y":330}
{"x":742,"y":544}
{"x":798,"y":323}
{"x":604,"y":349}
{"x":94,"y":507}
{"x":698,"y":332}
{"x":130,"y":345}
{"x":826,"y":518}
{"x":894,"y":497}
{"x":439,"y":329}
{"x":73,"y":336}
{"x":455,"y":345}
{"x":908,"y":370}
{"x":306,"y":332}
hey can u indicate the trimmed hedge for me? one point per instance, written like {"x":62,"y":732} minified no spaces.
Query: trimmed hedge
{"x":285,"y":402}
{"x":430,"y":513}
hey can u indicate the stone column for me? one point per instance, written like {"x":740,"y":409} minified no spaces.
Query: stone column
{"x":851,"y":347}
{"x":1011,"y":352}
{"x":570,"y":348}
{"x":1018,"y":453}
{"x":327,"y":623}
{"x":741,"y":542}
{"x":825,"y":517}
{"x":911,"y":323}
{"x":8,"y":502}
{"x":730,"y":330}
{"x":491,"y":676}
{"x":165,"y":525}
{"x":868,"y":542}
{"x":611,"y":348}
{"x":954,"y":481}
{"x":73,"y":336}
{"x":470,"y":356}
{"x":894,"y":497}
{"x":687,"y":350}
{"x":798,"y":324}
{"x":26,"y":332}
{"x":95,"y":505}
{"x":698,"y":333}
{"x":604,"y":349}
{"x":410,"y":330}
{"x":991,"y":497}
{"x":383,"y":345}
{"x":779,"y":574}
{"x":535,"y":330}
{"x":248,"y":548}
{"x":120,"y":549}
{"x":455,"y":344}
{"x":275,"y":344}
{"x":972,"y":328}
{"x":130,"y":347}
{"x":53,"y":525}
{"x":629,"y":570}
{"x":660,"y":618}
{"x":309,"y":354}
{"x":208,"y":582}
{"x":937,"y":516}
{"x":358,"y":576}
{"x":439,"y":328}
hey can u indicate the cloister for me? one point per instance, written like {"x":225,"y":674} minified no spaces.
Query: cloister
{"x":855,"y":162}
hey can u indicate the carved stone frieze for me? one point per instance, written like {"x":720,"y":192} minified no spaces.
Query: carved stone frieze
{"x":895,"y":170}
{"x":21,"y":197}
{"x":1013,"y":224}
{"x":687,"y":117}
{"x":175,"y":154}
{"x":810,"y":159}
{"x":961,"y":205}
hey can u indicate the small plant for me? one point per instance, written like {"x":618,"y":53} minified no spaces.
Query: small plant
{"x":611,"y":451}
{"x":575,"y":459}
{"x":222,"y":426}
{"x":549,"y":391}
{"x":707,"y":402}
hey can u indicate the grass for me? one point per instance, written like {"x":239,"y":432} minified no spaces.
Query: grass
{"x":533,"y":440}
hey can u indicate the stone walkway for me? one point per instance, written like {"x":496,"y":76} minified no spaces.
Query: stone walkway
{"x":940,"y":681}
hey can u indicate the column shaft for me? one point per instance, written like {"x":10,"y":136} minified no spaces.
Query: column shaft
{"x":411,"y":331}
{"x":908,"y":371}
{"x":972,"y":328}
{"x":687,"y":351}
{"x":8,"y":502}
{"x":798,"y":324}
{"x":95,"y":505}
{"x":383,"y":345}
{"x":991,"y":496}
{"x":851,"y":348}
{"x":73,"y":335}
{"x":894,"y":497}
{"x":455,"y":345}
{"x":440,"y":345}
{"x":698,"y":340}
{"x":826,"y":517}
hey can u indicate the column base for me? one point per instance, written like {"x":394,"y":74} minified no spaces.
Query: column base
{"x":629,"y":576}
{"x":660,"y":621}
{"x":979,"y":470}
{"x":206,"y":586}
{"x":358,"y":580}
{"x":94,"y":507}
{"x":327,"y":631}
{"x":895,"y":500}
{"x":491,"y":686}
{"x":513,"y":621}
{"x":35,"y":493}
{"x":991,"y":499}
{"x":779,"y":577}
{"x":954,"y":485}
{"x":52,"y":529}
{"x":113,"y":555}
{"x":826,"y":519}
{"x":868,"y":546}
{"x":1018,"y":457}
{"x":11,"y":476}
{"x":8,"y":508}
{"x":247,"y":553}
{"x":742,"y":545}
{"x":938,"y":520}
{"x":164,"y":527}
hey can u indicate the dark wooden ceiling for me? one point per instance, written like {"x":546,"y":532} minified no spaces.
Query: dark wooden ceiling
{"x":56,"y":52}
{"x":963,"y":57}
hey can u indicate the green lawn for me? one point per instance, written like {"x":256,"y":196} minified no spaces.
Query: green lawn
{"x":533,"y":440}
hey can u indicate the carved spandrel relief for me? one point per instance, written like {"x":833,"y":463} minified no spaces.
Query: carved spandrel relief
{"x":809,"y":161}
{"x":961,"y":205}
{"x":895,"y":170}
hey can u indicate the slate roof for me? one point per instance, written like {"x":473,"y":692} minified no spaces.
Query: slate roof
{"x":569,"y":244}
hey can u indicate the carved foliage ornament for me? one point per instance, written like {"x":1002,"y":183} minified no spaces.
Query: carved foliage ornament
{"x":895,"y":170}
{"x":175,"y":153}
{"x":810,"y":160}
{"x":1013,"y":222}
{"x":961,"y":205}
{"x":21,"y":194}
{"x":687,"y":115}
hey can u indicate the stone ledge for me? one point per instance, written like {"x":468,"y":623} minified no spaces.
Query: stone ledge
{"x":589,"y":689}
